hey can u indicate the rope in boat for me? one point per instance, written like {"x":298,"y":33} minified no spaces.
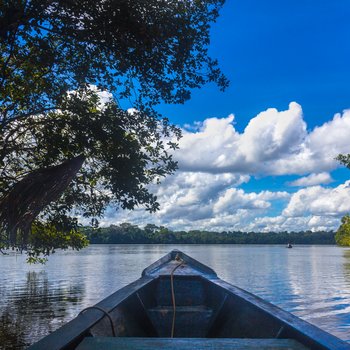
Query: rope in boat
{"x":106,"y":314}
{"x":177,"y":258}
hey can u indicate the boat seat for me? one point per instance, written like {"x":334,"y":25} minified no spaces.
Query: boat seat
{"x":118,"y":343}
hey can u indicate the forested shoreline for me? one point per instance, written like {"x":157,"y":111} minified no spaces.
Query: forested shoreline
{"x":151,"y":234}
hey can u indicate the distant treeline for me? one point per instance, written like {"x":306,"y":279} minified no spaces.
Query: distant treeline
{"x":130,"y":234}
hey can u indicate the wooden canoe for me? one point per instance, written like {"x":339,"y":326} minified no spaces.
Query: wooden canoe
{"x":209,"y":314}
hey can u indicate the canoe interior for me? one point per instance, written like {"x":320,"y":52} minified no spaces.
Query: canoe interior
{"x":202,"y":310}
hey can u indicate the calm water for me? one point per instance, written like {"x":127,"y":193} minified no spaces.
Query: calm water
{"x":312,"y":282}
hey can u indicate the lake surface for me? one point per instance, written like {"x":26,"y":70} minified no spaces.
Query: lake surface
{"x":312,"y":282}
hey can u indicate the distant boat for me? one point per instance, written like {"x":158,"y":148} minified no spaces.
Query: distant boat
{"x":289,"y":246}
{"x":181,"y":304}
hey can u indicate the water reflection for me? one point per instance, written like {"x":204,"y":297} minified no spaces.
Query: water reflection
{"x":35,"y":309}
{"x":346,"y":255}
{"x":311,"y":281}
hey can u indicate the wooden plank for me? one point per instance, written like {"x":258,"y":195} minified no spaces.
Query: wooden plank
{"x":107,"y":343}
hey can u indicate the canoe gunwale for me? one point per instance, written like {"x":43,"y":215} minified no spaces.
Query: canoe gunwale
{"x":75,"y":330}
{"x":153,"y":269}
{"x":302,"y":330}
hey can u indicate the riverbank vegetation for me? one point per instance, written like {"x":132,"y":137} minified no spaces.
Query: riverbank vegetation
{"x":151,"y":234}
{"x":342,"y":237}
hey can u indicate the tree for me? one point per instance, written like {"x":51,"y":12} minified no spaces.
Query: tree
{"x":342,"y":236}
{"x":69,"y":71}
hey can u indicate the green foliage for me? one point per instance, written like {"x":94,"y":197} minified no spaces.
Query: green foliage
{"x":46,"y":237}
{"x":344,"y":159}
{"x":58,"y":59}
{"x":342,"y":236}
{"x":156,"y":50}
{"x":152,"y":234}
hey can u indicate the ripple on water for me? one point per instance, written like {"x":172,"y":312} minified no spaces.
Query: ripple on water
{"x":313,"y":282}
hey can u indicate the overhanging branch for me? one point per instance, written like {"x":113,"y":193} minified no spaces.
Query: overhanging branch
{"x":20,"y":207}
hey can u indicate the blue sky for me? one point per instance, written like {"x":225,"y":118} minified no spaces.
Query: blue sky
{"x":275,"y":52}
{"x":260,"y":156}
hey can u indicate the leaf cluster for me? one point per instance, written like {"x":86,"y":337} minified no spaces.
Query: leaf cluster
{"x":66,"y":70}
{"x":148,"y":51}
{"x":342,"y":236}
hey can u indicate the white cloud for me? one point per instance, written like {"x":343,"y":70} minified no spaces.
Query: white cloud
{"x":320,"y":201}
{"x":215,"y":160}
{"x":209,"y":148}
{"x":272,"y":134}
{"x":312,"y":180}
{"x":282,"y":223}
{"x":188,"y":190}
{"x":234,"y":199}
{"x":273,"y":143}
{"x":322,"y":223}
{"x":191,"y":200}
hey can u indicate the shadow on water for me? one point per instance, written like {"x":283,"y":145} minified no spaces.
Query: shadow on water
{"x":346,"y":255}
{"x":35,"y":302}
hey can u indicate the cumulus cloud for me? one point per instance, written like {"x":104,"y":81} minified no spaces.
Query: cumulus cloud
{"x":273,"y":134}
{"x":312,"y":180}
{"x":187,"y":196}
{"x":234,"y":199}
{"x":215,"y":160}
{"x":320,"y":201}
{"x":189,"y":189}
{"x":273,"y":143}
{"x":190,"y":200}
{"x":210,"y":147}
{"x":282,"y":223}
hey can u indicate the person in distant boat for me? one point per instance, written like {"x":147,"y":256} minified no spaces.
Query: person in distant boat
{"x":289,"y":245}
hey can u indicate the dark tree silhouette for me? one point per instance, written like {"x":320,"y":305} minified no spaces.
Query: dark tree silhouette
{"x":69,"y":71}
